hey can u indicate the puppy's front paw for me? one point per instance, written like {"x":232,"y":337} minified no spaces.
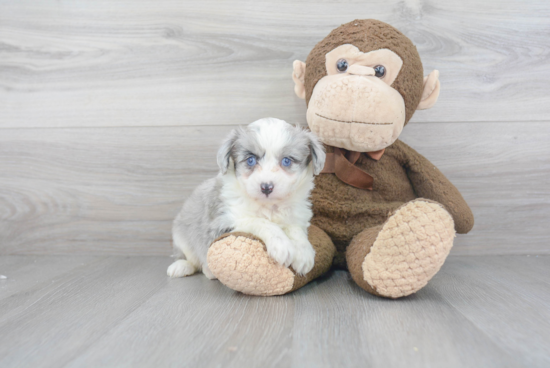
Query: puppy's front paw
{"x":280,"y":249}
{"x":304,"y":257}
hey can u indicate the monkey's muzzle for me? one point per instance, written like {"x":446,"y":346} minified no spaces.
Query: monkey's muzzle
{"x":356,"y":112}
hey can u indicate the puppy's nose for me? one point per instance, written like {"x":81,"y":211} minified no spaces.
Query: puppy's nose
{"x":267,"y":188}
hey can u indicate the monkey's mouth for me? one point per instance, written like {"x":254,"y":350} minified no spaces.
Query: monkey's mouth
{"x":352,"y":121}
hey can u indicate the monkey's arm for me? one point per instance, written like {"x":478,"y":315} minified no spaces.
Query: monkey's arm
{"x":428,"y":182}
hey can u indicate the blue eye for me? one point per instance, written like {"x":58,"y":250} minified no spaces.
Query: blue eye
{"x":286,"y":161}
{"x":251,"y":161}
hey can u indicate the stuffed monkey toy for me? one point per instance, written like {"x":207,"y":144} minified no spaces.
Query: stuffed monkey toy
{"x":381,"y":210}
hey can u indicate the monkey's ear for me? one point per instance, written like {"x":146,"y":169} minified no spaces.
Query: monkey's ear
{"x":298,"y":76}
{"x":431,"y":91}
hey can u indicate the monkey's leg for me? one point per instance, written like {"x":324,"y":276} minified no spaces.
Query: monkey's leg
{"x":240,"y":261}
{"x":399,"y":257}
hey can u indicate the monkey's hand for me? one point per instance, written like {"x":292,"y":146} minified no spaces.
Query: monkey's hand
{"x":430,"y":183}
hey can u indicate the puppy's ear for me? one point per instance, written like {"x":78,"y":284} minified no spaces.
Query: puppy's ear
{"x":318,"y":154}
{"x":224,"y":153}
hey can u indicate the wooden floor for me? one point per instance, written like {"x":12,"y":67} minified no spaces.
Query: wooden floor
{"x":109,"y":311}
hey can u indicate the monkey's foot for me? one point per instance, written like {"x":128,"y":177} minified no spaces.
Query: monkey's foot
{"x":240,"y":261}
{"x":400,"y":257}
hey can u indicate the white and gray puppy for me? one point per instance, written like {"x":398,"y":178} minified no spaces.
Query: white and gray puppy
{"x":263,"y":188}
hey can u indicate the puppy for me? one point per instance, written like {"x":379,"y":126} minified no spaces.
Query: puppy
{"x":263,"y":188}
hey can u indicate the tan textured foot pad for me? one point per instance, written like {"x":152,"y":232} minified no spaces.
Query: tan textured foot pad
{"x":410,"y":249}
{"x":242,"y":264}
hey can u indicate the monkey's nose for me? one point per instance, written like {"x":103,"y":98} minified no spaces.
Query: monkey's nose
{"x":267,"y":188}
{"x":361,"y":70}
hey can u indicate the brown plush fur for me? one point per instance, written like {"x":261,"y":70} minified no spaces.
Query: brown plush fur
{"x":401,"y":175}
{"x":324,"y":254}
{"x":356,"y":253}
{"x":369,"y":35}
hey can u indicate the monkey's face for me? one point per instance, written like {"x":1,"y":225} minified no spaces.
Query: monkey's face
{"x":362,"y":84}
{"x":354,"y":106}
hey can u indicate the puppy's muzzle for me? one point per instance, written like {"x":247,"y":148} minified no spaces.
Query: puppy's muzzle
{"x":267,"y":188}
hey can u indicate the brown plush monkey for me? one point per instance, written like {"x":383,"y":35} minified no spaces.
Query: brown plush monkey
{"x":381,"y":210}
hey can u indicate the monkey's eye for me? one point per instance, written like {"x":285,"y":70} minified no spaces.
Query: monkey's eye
{"x":379,"y":71}
{"x":286,"y":161}
{"x":342,"y":65}
{"x":251,"y":161}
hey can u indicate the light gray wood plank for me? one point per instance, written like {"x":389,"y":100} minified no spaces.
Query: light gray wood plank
{"x":95,"y":63}
{"x":50,"y":326}
{"x":529,"y":275}
{"x":123,"y":312}
{"x":117,"y":190}
{"x":326,"y":329}
{"x":512,"y":308}
{"x":535,"y":266}
{"x":37,"y":277}
{"x":97,"y":191}
{"x":338,"y":324}
{"x":196,"y":322}
{"x":521,"y":275}
{"x":34,"y":272}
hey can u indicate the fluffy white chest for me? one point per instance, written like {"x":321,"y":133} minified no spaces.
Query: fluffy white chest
{"x":276,"y":213}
